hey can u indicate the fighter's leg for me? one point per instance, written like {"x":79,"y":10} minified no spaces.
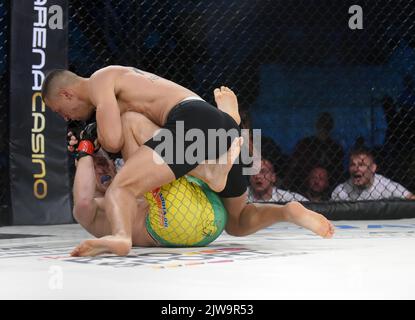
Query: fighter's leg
{"x":137,"y":129}
{"x":245,"y":219}
{"x":140,"y":174}
{"x":227,"y":101}
{"x":216,"y":174}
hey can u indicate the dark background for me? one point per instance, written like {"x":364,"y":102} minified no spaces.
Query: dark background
{"x":288,"y":61}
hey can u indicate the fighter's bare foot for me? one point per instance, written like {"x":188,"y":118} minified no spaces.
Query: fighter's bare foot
{"x":109,"y":244}
{"x":227,"y":101}
{"x":303,"y":217}
{"x":215,"y":172}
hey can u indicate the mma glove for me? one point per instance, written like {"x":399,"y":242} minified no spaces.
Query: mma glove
{"x":88,"y":143}
{"x":72,"y":137}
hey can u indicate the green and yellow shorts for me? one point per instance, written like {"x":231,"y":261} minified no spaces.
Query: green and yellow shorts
{"x":185,"y":213}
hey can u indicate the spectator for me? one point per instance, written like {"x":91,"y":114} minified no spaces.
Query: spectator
{"x":318,"y":185}
{"x":365,"y":184}
{"x":263,"y":187}
{"x":320,"y":149}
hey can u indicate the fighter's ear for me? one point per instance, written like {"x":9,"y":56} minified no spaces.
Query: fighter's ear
{"x":65,"y":93}
{"x":373,"y":167}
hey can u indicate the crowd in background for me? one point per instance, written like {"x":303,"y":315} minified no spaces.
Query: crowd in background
{"x":181,"y":42}
{"x":315,"y":170}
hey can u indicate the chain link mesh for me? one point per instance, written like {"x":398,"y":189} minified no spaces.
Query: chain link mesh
{"x":4,"y":112}
{"x":316,"y":88}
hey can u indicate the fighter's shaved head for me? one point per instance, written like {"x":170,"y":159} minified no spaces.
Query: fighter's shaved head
{"x":56,"y":79}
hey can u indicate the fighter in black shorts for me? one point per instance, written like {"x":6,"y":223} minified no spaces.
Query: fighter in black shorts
{"x":115,"y":90}
{"x":195,"y":113}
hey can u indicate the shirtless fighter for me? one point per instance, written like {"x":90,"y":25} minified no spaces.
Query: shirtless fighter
{"x":114,"y":90}
{"x":198,"y":219}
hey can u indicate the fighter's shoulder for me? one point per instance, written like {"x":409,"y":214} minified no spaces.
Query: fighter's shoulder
{"x":109,"y":73}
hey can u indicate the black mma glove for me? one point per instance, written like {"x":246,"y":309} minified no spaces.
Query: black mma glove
{"x":89,"y":142}
{"x":72,"y":136}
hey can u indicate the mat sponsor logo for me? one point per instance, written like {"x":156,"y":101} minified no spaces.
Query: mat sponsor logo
{"x":56,"y":278}
{"x":230,"y":250}
{"x":169,"y":259}
{"x":33,"y":251}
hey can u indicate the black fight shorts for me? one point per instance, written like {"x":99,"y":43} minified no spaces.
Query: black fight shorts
{"x":198,"y":114}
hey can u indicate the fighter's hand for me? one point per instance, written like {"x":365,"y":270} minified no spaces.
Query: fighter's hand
{"x":89,"y":141}
{"x":72,"y":141}
{"x":72,"y":136}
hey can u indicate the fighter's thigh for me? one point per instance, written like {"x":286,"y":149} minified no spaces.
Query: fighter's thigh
{"x":139,"y":126}
{"x":137,"y":129}
{"x":144,"y":171}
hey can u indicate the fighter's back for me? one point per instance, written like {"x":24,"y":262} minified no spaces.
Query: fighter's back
{"x":143,"y":92}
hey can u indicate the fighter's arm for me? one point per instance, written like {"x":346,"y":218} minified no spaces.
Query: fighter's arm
{"x":85,"y":206}
{"x":88,"y":209}
{"x":102,"y":92}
